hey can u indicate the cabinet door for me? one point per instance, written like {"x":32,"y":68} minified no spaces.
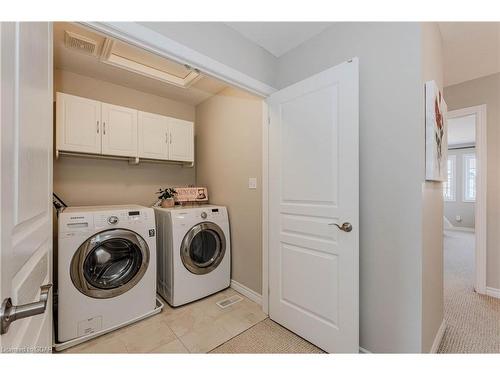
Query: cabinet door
{"x":119,"y":130}
{"x":181,"y":144}
{"x":78,"y":124}
{"x":153,"y":136}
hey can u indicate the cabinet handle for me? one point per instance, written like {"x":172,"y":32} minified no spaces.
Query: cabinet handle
{"x":166,"y":137}
{"x":104,"y":128}
{"x":171,"y":138}
{"x":97,"y":127}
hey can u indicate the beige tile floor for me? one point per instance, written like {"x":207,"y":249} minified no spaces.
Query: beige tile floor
{"x":194,"y":328}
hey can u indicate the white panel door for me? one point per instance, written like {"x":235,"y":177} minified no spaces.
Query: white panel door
{"x":313,"y":185}
{"x":181,"y":143}
{"x":119,"y":130}
{"x":153,"y":136}
{"x":78,"y":123}
{"x":26,"y":180}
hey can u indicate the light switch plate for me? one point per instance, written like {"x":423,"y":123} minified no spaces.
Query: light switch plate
{"x":252,"y":183}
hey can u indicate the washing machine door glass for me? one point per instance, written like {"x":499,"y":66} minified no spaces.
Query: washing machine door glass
{"x":203,"y":248}
{"x":109,"y":263}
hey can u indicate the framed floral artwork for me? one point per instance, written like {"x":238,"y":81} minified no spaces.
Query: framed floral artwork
{"x":436,"y":133}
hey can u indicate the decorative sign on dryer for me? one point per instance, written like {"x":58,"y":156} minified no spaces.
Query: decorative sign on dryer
{"x":191,"y":195}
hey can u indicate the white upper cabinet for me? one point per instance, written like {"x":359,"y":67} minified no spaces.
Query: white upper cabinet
{"x":119,"y":130}
{"x":181,"y":142}
{"x":78,"y":124}
{"x":92,"y":127}
{"x":153,"y":136}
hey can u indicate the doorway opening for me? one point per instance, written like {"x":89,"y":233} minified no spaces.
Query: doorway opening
{"x":226,"y":156}
{"x":464,"y":194}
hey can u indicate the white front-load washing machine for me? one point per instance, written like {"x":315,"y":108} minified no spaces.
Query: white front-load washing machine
{"x":194,"y":252}
{"x":106,"y":268}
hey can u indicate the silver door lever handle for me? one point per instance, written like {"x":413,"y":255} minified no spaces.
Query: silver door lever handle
{"x":10,"y":313}
{"x":346,"y":227}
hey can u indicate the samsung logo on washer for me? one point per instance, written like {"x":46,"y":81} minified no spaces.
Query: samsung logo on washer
{"x":76,"y":217}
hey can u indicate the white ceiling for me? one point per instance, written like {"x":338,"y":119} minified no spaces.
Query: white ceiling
{"x":462,"y":130}
{"x":279,"y":37}
{"x":470,"y":50}
{"x":80,"y":63}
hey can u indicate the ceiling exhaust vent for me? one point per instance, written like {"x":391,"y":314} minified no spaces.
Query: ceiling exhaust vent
{"x":80,"y":43}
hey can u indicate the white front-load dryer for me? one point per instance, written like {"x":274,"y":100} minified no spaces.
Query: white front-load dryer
{"x":194,"y":252}
{"x":106,"y":268}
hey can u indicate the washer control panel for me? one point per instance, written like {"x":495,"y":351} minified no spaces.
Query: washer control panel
{"x":79,"y":222}
{"x":117,"y":218}
{"x":113,"y":220}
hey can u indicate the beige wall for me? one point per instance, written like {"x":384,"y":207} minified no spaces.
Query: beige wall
{"x":93,"y":181}
{"x":486,"y":90}
{"x":228,"y":152}
{"x":432,"y":204}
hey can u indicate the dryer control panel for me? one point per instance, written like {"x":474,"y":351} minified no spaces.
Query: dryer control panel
{"x":186,"y":215}
{"x":211,"y":213}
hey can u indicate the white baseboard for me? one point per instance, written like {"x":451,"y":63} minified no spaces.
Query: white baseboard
{"x":492,"y":292}
{"x":247,"y":292}
{"x":439,"y":337}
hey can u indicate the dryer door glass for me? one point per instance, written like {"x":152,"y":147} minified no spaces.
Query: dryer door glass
{"x":109,"y":263}
{"x":203,"y":248}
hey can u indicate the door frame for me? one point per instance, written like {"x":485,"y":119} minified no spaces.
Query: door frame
{"x":480,"y":210}
{"x":150,"y":40}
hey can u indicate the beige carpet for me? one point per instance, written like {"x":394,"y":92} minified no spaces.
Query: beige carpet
{"x":267,"y":337}
{"x":473,"y":320}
